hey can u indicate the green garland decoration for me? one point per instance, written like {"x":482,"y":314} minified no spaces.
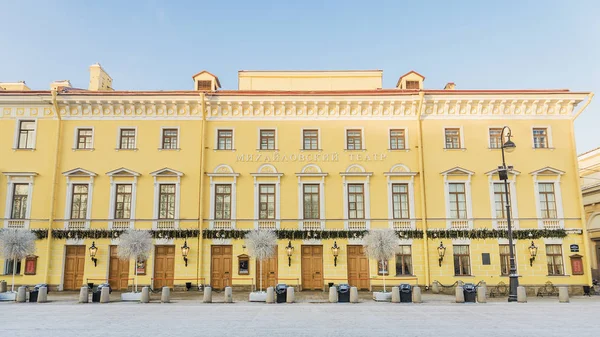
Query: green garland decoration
{"x":297,"y":234}
{"x":523,"y":234}
{"x":39,"y":233}
{"x":113,"y":233}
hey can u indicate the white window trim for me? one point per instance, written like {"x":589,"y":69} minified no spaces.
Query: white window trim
{"x":232,"y":175}
{"x":70,"y":183}
{"x":401,"y":178}
{"x":276,"y":139}
{"x":17,"y":133}
{"x":557,"y":195}
{"x":514,"y":212}
{"x":113,"y":196}
{"x":118,"y":147}
{"x":160,"y":138}
{"x":462,"y":137}
{"x":319,"y":148}
{"x":389,"y":142}
{"x":469,"y":201}
{"x":18,"y":178}
{"x":367,"y":193}
{"x":548,"y":135}
{"x":216,"y":147}
{"x":488,"y":136}
{"x":321,"y":183}
{"x":272,"y":174}
{"x":76,"y":140}
{"x":463,"y":242}
{"x":362,"y":137}
{"x":557,"y":241}
{"x":157,"y":184}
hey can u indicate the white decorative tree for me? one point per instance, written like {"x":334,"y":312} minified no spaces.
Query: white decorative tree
{"x":16,"y":244}
{"x":135,"y":244}
{"x":261,"y":244}
{"x":381,"y":244}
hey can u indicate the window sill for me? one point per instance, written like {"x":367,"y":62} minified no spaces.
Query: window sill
{"x":455,"y":149}
{"x":316,"y":150}
{"x":358,"y":150}
{"x":267,"y":150}
{"x":558,"y":275}
{"x":405,"y":275}
{"x":76,"y":149}
{"x":544,"y":148}
{"x":464,"y":275}
{"x":494,"y":148}
{"x":161,"y":149}
{"x":399,"y":150}
{"x":20,"y":149}
{"x":224,"y":150}
{"x":134,"y":149}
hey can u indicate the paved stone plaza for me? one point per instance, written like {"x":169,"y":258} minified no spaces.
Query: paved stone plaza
{"x":438,"y":316}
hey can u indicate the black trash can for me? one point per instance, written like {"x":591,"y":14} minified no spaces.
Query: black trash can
{"x":343,"y":293}
{"x":405,"y":293}
{"x":96,"y":294}
{"x":470,"y":292}
{"x":281,"y":292}
{"x":33,"y":295}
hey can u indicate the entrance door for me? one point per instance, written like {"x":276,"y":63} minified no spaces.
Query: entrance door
{"x":220,"y":267}
{"x":119,"y":271}
{"x":74,"y":266}
{"x":269,"y":268}
{"x":312,"y":267}
{"x":358,"y":268}
{"x":164,"y":266}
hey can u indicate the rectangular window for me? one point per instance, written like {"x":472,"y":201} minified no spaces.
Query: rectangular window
{"x":412,"y":84}
{"x":225,"y":140}
{"x":223,"y":202}
{"x":311,"y":139}
{"x":458,"y":203}
{"x":311,"y":201}
{"x":79,"y":201}
{"x":547,"y":200}
{"x":267,"y":139}
{"x":8,"y":267}
{"x":204,"y":85}
{"x":356,"y":201}
{"x":397,"y":140}
{"x":19,"y":201}
{"x":166,"y":201}
{"x":354,"y":139}
{"x":123,"y":201}
{"x":505,"y":259}
{"x":495,"y":138}
{"x":400,"y":201}
{"x":540,"y":138}
{"x":127,"y":139}
{"x":169,"y":138}
{"x":555,"y":260}
{"x":266,"y":202}
{"x":452,"y":138}
{"x":26,"y":134}
{"x":84,"y":138}
{"x":461,"y":260}
{"x":500,"y":200}
{"x":404,"y":260}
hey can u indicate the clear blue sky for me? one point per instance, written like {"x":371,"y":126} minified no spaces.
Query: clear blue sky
{"x":159,"y":45}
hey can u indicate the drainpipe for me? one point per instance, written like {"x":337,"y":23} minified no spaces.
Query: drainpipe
{"x":55,"y":176}
{"x":586,"y":240}
{"x":201,"y":185}
{"x":422,"y":183}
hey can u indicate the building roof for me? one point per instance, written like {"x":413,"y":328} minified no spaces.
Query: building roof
{"x":211,"y":74}
{"x":408,"y":73}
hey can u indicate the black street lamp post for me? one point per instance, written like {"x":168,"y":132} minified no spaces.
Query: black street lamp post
{"x":509,"y":146}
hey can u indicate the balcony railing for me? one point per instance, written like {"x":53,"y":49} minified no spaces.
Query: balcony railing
{"x":15,"y":224}
{"x":222,"y":224}
{"x":267,"y":224}
{"x":401,"y":224}
{"x":551,"y":224}
{"x":76,"y":224}
{"x":357,"y":225}
{"x":502,"y":224}
{"x":165,"y":224}
{"x":311,"y":225}
{"x":121,"y":224}
{"x":459,"y":224}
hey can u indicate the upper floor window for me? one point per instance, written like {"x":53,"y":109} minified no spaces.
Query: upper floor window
{"x":356,"y":201}
{"x":204,"y":85}
{"x":412,"y":84}
{"x":500,"y":200}
{"x":457,"y":200}
{"x":310,"y":139}
{"x":266,"y":202}
{"x":84,"y":138}
{"x":404,"y":260}
{"x":224,"y":139}
{"x":267,"y":139}
{"x":26,"y":135}
{"x":547,"y":200}
{"x":397,"y":139}
{"x":495,"y":138}
{"x":19,"y":201}
{"x":555,"y":260}
{"x":170,"y":138}
{"x":311,"y":201}
{"x":540,"y":138}
{"x":123,"y":201}
{"x":354,"y":140}
{"x":222,"y":202}
{"x":166,"y":201}
{"x":127,"y":139}
{"x":453,"y":138}
{"x":461,"y":260}
{"x":400,"y":201}
{"x":79,"y":201}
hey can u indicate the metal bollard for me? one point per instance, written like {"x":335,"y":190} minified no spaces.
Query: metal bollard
{"x":42,"y":295}
{"x":228,"y":295}
{"x":165,"y":296}
{"x":395,"y":294}
{"x":289,"y":296}
{"x":84,"y":295}
{"x":207,"y":295}
{"x":333,"y":295}
{"x":460,"y":295}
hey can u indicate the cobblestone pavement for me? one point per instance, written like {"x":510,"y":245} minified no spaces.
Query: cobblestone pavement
{"x":312,"y":316}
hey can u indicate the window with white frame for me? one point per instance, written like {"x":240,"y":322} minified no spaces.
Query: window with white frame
{"x":356,"y":201}
{"x":26,"y":134}
{"x":397,"y":139}
{"x":127,"y":139}
{"x":123,"y":201}
{"x":80,"y":183}
{"x":311,"y":203}
{"x":554,"y":259}
{"x":495,"y":136}
{"x":354,"y":139}
{"x":400,"y":201}
{"x":20,"y":198}
{"x":167,"y":193}
{"x":548,"y":197}
{"x":166,"y":201}
{"x":462,"y":265}
{"x":266,"y":202}
{"x":19,"y":189}
{"x":457,"y":200}
{"x":453,"y":138}
{"x":540,"y":138}
{"x":79,"y":201}
{"x":223,"y":181}
{"x":9,"y":264}
{"x":547,"y":200}
{"x":267,"y":139}
{"x":170,"y":139}
{"x":222,"y":202}
{"x":225,"y":139}
{"x":84,"y":140}
{"x":310,"y":139}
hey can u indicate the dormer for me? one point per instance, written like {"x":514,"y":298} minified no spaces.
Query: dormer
{"x":60,"y":84}
{"x":412,"y":80}
{"x":205,"y":81}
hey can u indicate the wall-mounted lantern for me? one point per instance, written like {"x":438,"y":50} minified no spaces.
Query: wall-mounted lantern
{"x":93,"y":251}
{"x":336,"y":251}
{"x":289,"y":250}
{"x":441,"y":252}
{"x":532,"y":253}
{"x":185,"y":250}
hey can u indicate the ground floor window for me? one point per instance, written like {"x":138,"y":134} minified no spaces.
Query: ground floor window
{"x":404,"y":260}
{"x":8,"y":267}
{"x":555,"y":260}
{"x":461,"y":260}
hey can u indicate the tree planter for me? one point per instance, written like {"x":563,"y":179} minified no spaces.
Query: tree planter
{"x":258,"y":296}
{"x":380,"y":296}
{"x":126,"y":297}
{"x":8,"y":296}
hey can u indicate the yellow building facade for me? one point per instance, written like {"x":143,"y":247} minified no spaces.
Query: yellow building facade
{"x":320,"y":157}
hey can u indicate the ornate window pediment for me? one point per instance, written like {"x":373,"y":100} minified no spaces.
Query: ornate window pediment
{"x":547,"y":171}
{"x":122,"y":172}
{"x":166,"y":172}
{"x":267,"y":170}
{"x":79,"y":172}
{"x":356,"y":170}
{"x":456,"y":171}
{"x":400,"y":170}
{"x":311,"y":170}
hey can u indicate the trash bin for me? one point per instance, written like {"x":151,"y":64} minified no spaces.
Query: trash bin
{"x":470,"y":292}
{"x":281,"y":292}
{"x":405,"y":293}
{"x":33,"y":295}
{"x":96,"y":294}
{"x":343,"y":293}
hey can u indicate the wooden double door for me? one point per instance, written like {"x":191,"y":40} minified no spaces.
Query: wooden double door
{"x":164,"y":266}
{"x":118,"y":275}
{"x":269,"y":273}
{"x":358,"y":268}
{"x":221,"y":261}
{"x":74,"y":267}
{"x":312,"y":267}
